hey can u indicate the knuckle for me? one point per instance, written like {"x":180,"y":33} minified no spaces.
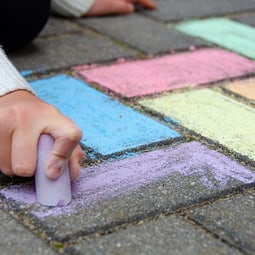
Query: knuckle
{"x":49,"y":109}
{"x":17,"y":112}
{"x":73,"y":134}
{"x":6,"y":113}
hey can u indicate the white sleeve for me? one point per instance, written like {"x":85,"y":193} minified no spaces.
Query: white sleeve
{"x":10,"y":78}
{"x":71,"y":8}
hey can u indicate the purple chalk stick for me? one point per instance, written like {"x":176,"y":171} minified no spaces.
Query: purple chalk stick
{"x":50,"y":192}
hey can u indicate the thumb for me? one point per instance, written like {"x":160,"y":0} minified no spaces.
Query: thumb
{"x":61,"y":152}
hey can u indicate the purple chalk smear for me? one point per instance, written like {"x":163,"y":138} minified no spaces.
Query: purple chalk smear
{"x":104,"y":181}
{"x":50,"y":192}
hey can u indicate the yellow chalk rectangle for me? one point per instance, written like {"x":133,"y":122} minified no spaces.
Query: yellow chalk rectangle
{"x":212,"y":115}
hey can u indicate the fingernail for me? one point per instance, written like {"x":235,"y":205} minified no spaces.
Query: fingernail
{"x":55,"y":168}
{"x":75,"y":174}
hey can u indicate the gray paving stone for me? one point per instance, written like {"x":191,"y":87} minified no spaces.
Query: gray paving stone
{"x":149,"y":184}
{"x":16,"y":239}
{"x":67,"y":50}
{"x":163,"y":196}
{"x":141,"y":33}
{"x":169,"y":10}
{"x":57,"y":26}
{"x":248,"y":19}
{"x":172,"y":235}
{"x":232,"y":219}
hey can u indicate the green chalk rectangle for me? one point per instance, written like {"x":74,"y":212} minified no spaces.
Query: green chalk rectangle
{"x":212,"y":115}
{"x":226,"y":33}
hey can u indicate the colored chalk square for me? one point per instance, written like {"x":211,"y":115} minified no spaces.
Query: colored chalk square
{"x":245,"y":88}
{"x":209,"y":171}
{"x":226,"y":33}
{"x":108,"y":126}
{"x":170,"y":72}
{"x":212,"y":115}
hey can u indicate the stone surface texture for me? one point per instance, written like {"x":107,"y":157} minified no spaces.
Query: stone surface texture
{"x":165,"y":101}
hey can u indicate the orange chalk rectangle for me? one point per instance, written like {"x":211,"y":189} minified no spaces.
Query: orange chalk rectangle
{"x":245,"y":88}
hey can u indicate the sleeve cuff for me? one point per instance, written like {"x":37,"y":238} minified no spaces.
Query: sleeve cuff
{"x":71,"y":8}
{"x":10,"y":78}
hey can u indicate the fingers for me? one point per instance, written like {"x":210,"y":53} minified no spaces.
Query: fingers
{"x":5,"y":152}
{"x":108,"y":7}
{"x":24,"y":152}
{"x":121,"y":7}
{"x":67,"y":137}
{"x":23,"y":118}
{"x":75,"y":163}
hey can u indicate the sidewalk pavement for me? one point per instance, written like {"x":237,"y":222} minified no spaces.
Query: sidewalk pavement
{"x":166,"y":102}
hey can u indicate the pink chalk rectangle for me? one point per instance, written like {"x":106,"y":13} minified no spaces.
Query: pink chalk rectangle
{"x":144,"y":77}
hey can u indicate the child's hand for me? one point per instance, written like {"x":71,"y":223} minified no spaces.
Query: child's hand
{"x":108,"y":7}
{"x":23,"y":118}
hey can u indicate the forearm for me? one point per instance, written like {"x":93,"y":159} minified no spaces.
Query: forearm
{"x":71,"y":8}
{"x":10,"y":78}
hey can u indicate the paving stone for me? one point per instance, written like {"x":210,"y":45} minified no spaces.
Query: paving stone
{"x":108,"y":126}
{"x":226,"y":33}
{"x":157,"y":237}
{"x":144,"y":77}
{"x":141,"y":33}
{"x":215,"y":116}
{"x":169,"y":10}
{"x":116,"y":192}
{"x":248,"y":19}
{"x":58,"y":26}
{"x":16,"y":239}
{"x":232,"y":219}
{"x":245,"y":88}
{"x":67,"y":50}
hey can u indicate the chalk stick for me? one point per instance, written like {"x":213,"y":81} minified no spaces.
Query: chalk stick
{"x":50,"y":192}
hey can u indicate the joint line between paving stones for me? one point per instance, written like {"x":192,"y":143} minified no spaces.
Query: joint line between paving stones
{"x":215,"y":235}
{"x":146,"y":148}
{"x":192,"y":135}
{"x":32,"y":223}
{"x":245,"y":12}
{"x":47,"y":73}
{"x":26,"y":222}
{"x":202,"y":17}
{"x":237,"y":97}
{"x":236,"y":192}
{"x":134,"y":220}
{"x":209,"y":85}
{"x":56,"y":36}
{"x":115,"y":41}
{"x":224,"y":194}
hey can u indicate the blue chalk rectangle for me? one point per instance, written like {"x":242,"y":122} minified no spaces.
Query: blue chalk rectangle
{"x":108,"y":126}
